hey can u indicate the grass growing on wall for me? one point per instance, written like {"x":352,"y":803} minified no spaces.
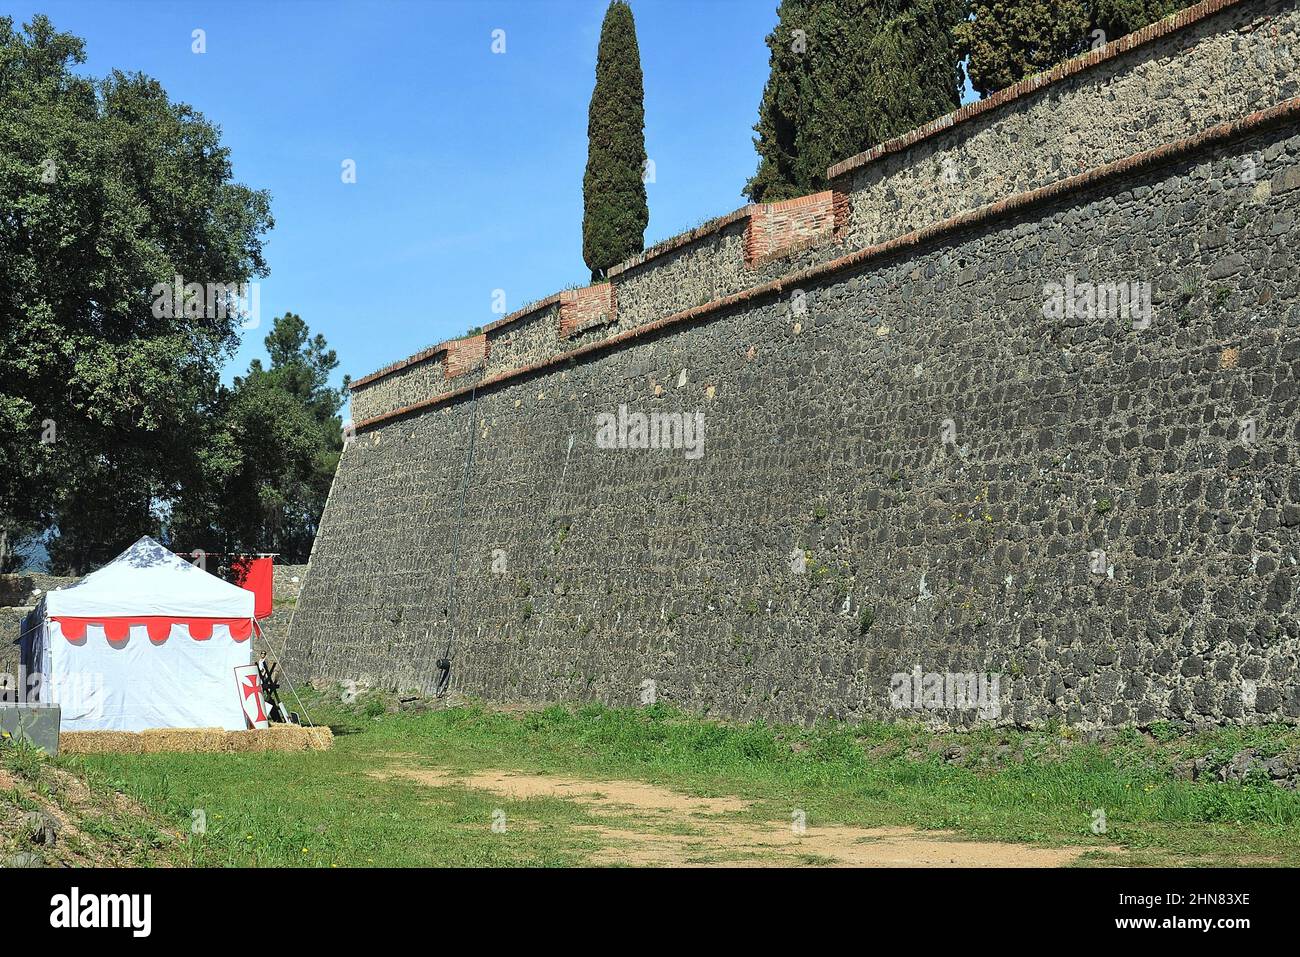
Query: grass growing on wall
{"x":341,"y":808}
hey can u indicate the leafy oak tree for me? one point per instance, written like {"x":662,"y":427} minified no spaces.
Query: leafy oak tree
{"x":107,"y":188}
{"x":1008,"y":40}
{"x":845,"y":76}
{"x":615,"y":214}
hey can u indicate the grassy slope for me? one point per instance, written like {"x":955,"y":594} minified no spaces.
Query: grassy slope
{"x":327,"y":809}
{"x":95,"y":825}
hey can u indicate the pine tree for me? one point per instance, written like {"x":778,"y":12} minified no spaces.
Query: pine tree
{"x":615,"y":213}
{"x":269,"y":465}
{"x":846,"y":75}
{"x":1008,"y":40}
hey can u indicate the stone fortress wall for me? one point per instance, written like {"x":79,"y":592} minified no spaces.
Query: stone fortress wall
{"x":925,"y":444}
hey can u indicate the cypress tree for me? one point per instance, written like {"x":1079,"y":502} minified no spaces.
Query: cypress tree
{"x":846,"y":75}
{"x":615,"y":213}
{"x":1008,"y":40}
{"x":783,"y":109}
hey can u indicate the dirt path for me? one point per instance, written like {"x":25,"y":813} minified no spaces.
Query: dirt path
{"x":651,"y":825}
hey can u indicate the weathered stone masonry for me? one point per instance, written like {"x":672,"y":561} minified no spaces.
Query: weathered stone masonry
{"x":829,"y":363}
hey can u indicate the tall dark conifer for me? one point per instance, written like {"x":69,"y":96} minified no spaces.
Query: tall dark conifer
{"x":846,"y":75}
{"x":1008,"y":40}
{"x":615,"y":213}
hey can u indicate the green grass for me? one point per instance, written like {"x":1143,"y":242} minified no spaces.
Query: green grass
{"x":323,"y":809}
{"x":93,"y":828}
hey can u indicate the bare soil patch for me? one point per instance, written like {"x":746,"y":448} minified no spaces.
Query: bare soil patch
{"x":656,"y":826}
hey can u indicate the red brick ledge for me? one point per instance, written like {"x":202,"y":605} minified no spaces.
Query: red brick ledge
{"x":1280,"y":114}
{"x":568,"y":299}
{"x":681,"y":239}
{"x":465,"y":355}
{"x":424,"y":355}
{"x":767,"y":239}
{"x":533,"y":307}
{"x":1086,"y":61}
{"x":794,"y":249}
{"x":586,"y":308}
{"x":564,"y":296}
{"x":1161,"y":28}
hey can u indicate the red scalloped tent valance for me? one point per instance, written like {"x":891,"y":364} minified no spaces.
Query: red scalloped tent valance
{"x":159,"y":627}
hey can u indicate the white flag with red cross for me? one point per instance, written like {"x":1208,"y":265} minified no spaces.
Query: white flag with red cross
{"x":250,"y":696}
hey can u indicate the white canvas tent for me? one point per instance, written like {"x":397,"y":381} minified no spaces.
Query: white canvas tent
{"x":148,"y":641}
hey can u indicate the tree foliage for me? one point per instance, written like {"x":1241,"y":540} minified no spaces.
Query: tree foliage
{"x":845,"y":76}
{"x":615,"y":213}
{"x":107,"y":188}
{"x":1008,"y":40}
{"x":269,"y":467}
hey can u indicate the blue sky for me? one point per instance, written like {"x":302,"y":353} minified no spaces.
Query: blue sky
{"x":468,"y":163}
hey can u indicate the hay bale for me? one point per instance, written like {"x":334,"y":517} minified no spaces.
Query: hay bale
{"x":278,"y":737}
{"x":244,"y":741}
{"x":100,"y":742}
{"x":288,"y":737}
{"x":282,"y":737}
{"x":319,"y":738}
{"x":270,"y":739}
{"x":173,"y":740}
